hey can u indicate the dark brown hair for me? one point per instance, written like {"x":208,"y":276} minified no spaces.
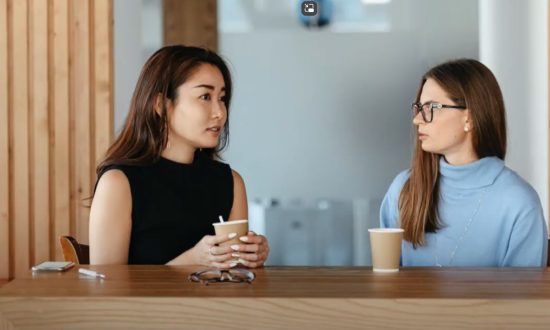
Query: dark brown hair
{"x":145,"y":132}
{"x":471,"y":84}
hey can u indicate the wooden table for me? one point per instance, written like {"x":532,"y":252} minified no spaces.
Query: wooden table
{"x":161,"y":297}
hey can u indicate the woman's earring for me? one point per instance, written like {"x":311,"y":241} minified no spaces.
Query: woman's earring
{"x":466,"y":129}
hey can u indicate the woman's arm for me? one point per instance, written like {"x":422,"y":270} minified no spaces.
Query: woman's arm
{"x":240,"y":204}
{"x":389,"y":211}
{"x":255,"y":248}
{"x":111,"y":219}
{"x":528,"y":242}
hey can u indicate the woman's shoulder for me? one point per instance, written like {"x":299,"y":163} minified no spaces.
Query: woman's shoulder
{"x":113,"y":174}
{"x":512,"y":183}
{"x":215,"y":167}
{"x":113,"y":181}
{"x":126,"y":169}
{"x":394,"y":190}
{"x":400,"y":180}
{"x":130,"y":172}
{"x":230,"y":175}
{"x":217,"y":172}
{"x":216,"y":164}
{"x":515,"y":190}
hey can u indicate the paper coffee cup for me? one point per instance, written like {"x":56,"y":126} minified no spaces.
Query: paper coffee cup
{"x":235,"y":226}
{"x":385,"y":245}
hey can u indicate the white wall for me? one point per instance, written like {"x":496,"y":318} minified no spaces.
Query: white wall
{"x":315,"y":113}
{"x":513,"y":38}
{"x":322,"y":114}
{"x":137,"y":33}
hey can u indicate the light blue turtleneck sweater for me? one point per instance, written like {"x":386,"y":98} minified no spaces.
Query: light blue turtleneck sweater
{"x":507,"y":227}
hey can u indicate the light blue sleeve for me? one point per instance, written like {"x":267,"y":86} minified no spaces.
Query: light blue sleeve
{"x":528,"y":244}
{"x":389,"y":210}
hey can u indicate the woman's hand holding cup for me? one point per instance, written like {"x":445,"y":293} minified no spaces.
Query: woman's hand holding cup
{"x":252,"y":251}
{"x":211,"y":252}
{"x":248,"y":249}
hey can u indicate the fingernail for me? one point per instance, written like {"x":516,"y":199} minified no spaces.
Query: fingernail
{"x":233,"y":264}
{"x":236,"y":255}
{"x":235,"y":247}
{"x":242,"y":261}
{"x":244,"y":238}
{"x":232,"y":235}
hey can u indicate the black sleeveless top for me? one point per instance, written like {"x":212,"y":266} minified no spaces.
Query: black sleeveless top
{"x":174,"y":206}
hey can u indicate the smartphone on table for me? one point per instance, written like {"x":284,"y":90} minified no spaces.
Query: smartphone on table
{"x":53,"y":266}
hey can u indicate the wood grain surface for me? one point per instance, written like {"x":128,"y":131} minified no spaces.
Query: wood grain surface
{"x":162,"y":297}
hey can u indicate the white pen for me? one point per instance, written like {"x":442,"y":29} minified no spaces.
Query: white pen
{"x":89,"y":272}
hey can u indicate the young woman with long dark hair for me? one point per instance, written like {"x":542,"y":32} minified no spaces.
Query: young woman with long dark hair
{"x":161,"y":184}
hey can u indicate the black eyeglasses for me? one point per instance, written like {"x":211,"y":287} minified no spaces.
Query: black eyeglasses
{"x":235,"y":275}
{"x":427,"y":109}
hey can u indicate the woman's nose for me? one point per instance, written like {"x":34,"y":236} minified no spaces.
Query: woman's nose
{"x":218,"y":110}
{"x":417,"y":119}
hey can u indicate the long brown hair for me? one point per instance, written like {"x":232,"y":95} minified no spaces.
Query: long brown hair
{"x":471,"y":84}
{"x":145,"y":132}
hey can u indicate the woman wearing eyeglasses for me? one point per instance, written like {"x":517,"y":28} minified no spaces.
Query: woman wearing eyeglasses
{"x":458,"y":204}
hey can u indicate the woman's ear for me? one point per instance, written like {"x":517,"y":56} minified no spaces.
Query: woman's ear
{"x":467,"y":121}
{"x":158,"y":104}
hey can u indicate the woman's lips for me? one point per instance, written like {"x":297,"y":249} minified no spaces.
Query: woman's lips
{"x":214,"y":131}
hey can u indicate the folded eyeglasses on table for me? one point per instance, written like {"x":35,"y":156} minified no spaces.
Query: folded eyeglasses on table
{"x":236,"y":275}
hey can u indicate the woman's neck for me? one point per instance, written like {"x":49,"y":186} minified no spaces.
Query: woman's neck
{"x":179,"y":152}
{"x":461,"y":158}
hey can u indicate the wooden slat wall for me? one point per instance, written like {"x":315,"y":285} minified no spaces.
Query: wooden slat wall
{"x":40,"y":175}
{"x":80,"y":114}
{"x":20,"y":252}
{"x":60,"y":174}
{"x":191,"y":22}
{"x":4,"y":144}
{"x":102,"y":78}
{"x":56,"y":121}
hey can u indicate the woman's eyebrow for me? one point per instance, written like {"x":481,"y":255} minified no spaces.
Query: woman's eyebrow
{"x":207,"y":86}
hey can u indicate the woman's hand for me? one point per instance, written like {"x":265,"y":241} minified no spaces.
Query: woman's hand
{"x":207,"y":252}
{"x":253,"y":252}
